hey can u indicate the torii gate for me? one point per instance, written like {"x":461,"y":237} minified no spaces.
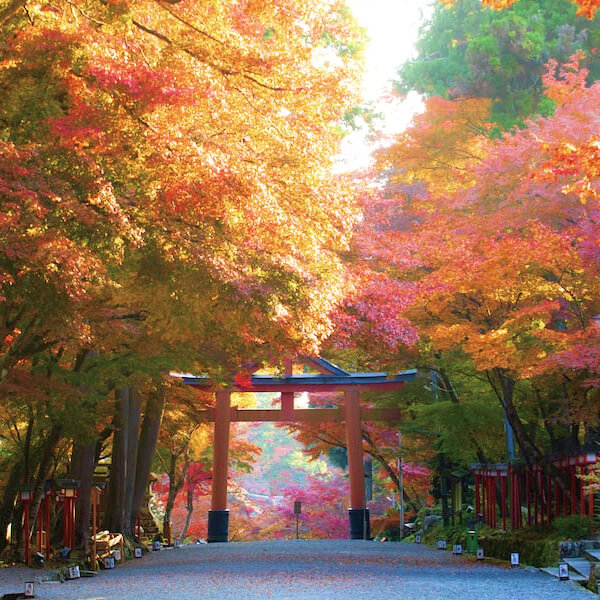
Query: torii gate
{"x":329,"y":379}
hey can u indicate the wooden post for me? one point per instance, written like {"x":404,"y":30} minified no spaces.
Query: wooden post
{"x":95,"y":497}
{"x":218,"y":516}
{"x":581,"y":492}
{"x":565,"y":493}
{"x":359,"y":520}
{"x":503,"y":500}
{"x":528,"y":494}
{"x":47,"y":522}
{"x":26,"y":530}
{"x":573,"y":489}
{"x":287,"y":398}
{"x":40,"y":526}
{"x":518,"y":521}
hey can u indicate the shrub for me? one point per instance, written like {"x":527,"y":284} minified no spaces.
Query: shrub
{"x":573,"y":527}
{"x":536,"y":547}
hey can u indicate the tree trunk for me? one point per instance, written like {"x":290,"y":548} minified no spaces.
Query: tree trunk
{"x":175,"y":484}
{"x":82,"y":469}
{"x":115,"y":512}
{"x":46,"y":455}
{"x":132,"y":432}
{"x":146,"y":447}
{"x":190,"y":509}
{"x":8,"y":501}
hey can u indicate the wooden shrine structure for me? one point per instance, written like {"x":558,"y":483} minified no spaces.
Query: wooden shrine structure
{"x":513,"y":486}
{"x":329,"y":378}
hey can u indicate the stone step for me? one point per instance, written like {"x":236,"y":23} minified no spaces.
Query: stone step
{"x":581,"y":565}
{"x":595,"y":554}
{"x":572,"y":576}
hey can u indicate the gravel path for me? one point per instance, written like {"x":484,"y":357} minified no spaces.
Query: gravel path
{"x":302,"y":570}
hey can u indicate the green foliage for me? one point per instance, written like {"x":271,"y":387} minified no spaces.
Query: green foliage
{"x":536,"y":546}
{"x":573,"y":527}
{"x":469,"y":50}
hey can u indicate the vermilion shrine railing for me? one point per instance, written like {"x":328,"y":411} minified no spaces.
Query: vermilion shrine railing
{"x":533,"y":494}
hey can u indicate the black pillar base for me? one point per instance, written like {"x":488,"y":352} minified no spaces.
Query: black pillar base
{"x":360,"y":525}
{"x":218,"y":526}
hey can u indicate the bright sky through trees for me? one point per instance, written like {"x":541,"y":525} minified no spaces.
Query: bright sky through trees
{"x":392,"y":28}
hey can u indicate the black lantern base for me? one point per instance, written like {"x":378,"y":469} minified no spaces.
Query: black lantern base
{"x":218,"y":526}
{"x":360,"y":525}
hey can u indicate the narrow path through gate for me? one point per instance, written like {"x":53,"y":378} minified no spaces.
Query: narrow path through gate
{"x":329,"y":378}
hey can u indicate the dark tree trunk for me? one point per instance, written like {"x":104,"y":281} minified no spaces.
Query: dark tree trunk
{"x":8,"y":501}
{"x":132,"y":432}
{"x":146,"y":447}
{"x":46,"y":454}
{"x":82,"y":469}
{"x":115,"y":511}
{"x":505,"y":394}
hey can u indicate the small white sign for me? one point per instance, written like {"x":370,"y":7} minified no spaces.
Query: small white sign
{"x":29,"y":590}
{"x":73,"y":573}
{"x":109,"y":562}
{"x":479,"y":553}
{"x":417,"y":538}
{"x":176,"y":544}
{"x":441,"y":544}
{"x":157,"y":546}
{"x":563,"y":571}
{"x":117,"y":554}
{"x":457,"y":549}
{"x":137,"y":553}
{"x":514,"y":559}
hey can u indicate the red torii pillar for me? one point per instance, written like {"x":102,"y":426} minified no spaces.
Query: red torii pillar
{"x":358,"y":513}
{"x":218,"y":516}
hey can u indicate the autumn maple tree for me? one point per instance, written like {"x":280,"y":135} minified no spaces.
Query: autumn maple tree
{"x":167,"y":199}
{"x":495,"y":242}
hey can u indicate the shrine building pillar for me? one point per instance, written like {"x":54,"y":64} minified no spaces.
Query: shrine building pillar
{"x":359,"y":514}
{"x":218,"y":516}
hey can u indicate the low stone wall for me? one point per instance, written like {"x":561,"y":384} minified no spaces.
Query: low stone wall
{"x":574,"y":549}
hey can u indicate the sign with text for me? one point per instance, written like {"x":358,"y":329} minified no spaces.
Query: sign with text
{"x":457,"y":549}
{"x":514,"y":559}
{"x":441,"y":544}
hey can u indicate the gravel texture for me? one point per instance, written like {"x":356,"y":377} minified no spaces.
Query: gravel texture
{"x":302,"y":569}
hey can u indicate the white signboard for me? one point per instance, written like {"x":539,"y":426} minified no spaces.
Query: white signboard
{"x":117,"y":554}
{"x":137,"y":553}
{"x":514,"y":559}
{"x":29,"y":593}
{"x":563,"y":571}
{"x":457,"y":549}
{"x":74,"y":573}
{"x":441,"y":544}
{"x":417,"y":538}
{"x":479,"y":553}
